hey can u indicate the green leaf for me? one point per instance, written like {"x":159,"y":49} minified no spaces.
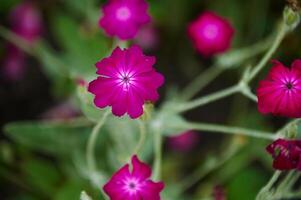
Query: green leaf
{"x":71,"y":190}
{"x":41,"y":175}
{"x":59,"y":138}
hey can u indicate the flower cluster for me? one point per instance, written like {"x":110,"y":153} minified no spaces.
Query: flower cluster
{"x":134,"y":184}
{"x":126,"y":81}
{"x":211,"y":34}
{"x":286,"y":154}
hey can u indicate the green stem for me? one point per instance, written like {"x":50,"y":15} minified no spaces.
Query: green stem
{"x":158,"y":155}
{"x":16,"y":40}
{"x":92,"y":142}
{"x":279,"y":37}
{"x":264,"y":191}
{"x":142,"y":132}
{"x":208,"y":99}
{"x":201,"y":81}
{"x":226,"y":129}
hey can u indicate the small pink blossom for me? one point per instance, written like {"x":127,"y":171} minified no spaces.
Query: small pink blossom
{"x":126,"y":81}
{"x":286,"y":154}
{"x":211,"y":34}
{"x":184,"y":141}
{"x":280,"y":92}
{"x":25,"y":20}
{"x":123,"y":18}
{"x":147,"y":37}
{"x":134,"y":184}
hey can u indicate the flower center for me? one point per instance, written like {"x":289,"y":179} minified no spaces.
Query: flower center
{"x":289,"y":85}
{"x":123,"y":13}
{"x":210,"y":31}
{"x":132,"y":185}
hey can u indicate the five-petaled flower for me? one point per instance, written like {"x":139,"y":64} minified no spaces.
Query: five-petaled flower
{"x":126,"y":81}
{"x":123,"y":18}
{"x":280,"y":92}
{"x":211,"y":34}
{"x":286,"y":154}
{"x":134,"y":184}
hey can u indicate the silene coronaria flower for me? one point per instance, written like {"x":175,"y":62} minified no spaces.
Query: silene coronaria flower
{"x":126,"y":81}
{"x":211,"y":34}
{"x":286,"y":154}
{"x":133,"y":184}
{"x":123,"y":18}
{"x":280,"y":92}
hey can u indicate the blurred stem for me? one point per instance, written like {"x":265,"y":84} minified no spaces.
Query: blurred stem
{"x":265,"y":190}
{"x":158,"y":154}
{"x":226,"y":129}
{"x":16,"y":40}
{"x":142,"y":132}
{"x":201,"y":81}
{"x":208,"y":99}
{"x":92,"y":142}
{"x":279,"y":37}
{"x":223,"y":62}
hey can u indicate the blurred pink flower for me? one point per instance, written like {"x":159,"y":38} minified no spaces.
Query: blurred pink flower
{"x":147,"y":37}
{"x":25,"y":21}
{"x":184,"y":141}
{"x":219,"y":193}
{"x":126,"y":81}
{"x":286,"y":154}
{"x":13,"y":64}
{"x":280,"y":92}
{"x":134,"y":184}
{"x":211,"y":34}
{"x":123,"y":18}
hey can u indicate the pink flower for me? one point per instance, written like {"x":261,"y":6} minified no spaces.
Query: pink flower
{"x":286,"y":154}
{"x":280,"y":92}
{"x":183,"y":142}
{"x":147,"y":37}
{"x":26,"y":21}
{"x":134,"y":184}
{"x":211,"y":34}
{"x":123,"y":18}
{"x":126,"y":81}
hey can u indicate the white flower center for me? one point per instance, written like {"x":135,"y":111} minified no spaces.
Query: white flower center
{"x":126,"y":79}
{"x":123,"y":13}
{"x":210,"y":31}
{"x":132,"y":185}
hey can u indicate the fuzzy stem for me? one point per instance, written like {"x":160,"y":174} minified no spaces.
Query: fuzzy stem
{"x":201,"y":81}
{"x":92,"y":142}
{"x":142,"y":132}
{"x":226,"y":129}
{"x":269,"y":185}
{"x":279,"y":37}
{"x":208,"y":99}
{"x":158,"y":154}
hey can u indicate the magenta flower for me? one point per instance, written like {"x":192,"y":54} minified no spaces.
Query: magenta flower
{"x":126,"y":81}
{"x":123,"y":18}
{"x":211,"y":34}
{"x":184,"y":141}
{"x":26,"y":21}
{"x":286,"y":154}
{"x":134,"y":184}
{"x":280,"y":92}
